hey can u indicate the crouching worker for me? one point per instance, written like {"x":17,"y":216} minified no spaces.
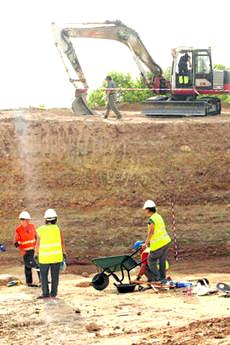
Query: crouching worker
{"x":24,"y":240}
{"x":144,"y":255}
{"x":50,"y":251}
{"x":158,"y":240}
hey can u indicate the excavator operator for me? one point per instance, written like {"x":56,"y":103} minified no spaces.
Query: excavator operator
{"x":183,"y":66}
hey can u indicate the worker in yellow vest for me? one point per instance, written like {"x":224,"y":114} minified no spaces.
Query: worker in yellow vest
{"x":158,"y":240}
{"x":49,"y":252}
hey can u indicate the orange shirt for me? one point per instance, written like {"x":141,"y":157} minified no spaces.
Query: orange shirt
{"x":144,"y":263}
{"x":26,"y":237}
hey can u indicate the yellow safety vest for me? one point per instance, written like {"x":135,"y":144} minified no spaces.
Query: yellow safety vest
{"x":160,"y":237}
{"x":50,"y":248}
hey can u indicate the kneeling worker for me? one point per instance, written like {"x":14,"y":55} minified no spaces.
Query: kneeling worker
{"x":50,"y":251}
{"x":144,"y":254}
{"x":158,"y":240}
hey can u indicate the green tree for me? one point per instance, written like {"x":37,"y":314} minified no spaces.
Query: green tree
{"x":96,"y":98}
{"x":167,"y":73}
{"x":226,"y":97}
{"x":221,"y":67}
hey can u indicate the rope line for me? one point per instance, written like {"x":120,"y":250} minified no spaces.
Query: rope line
{"x":176,"y":252}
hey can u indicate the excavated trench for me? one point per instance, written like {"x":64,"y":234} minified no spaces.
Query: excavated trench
{"x":97,"y":174}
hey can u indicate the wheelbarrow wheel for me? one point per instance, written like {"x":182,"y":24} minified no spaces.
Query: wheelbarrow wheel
{"x":100,"y":281}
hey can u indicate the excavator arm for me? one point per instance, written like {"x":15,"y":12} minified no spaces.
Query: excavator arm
{"x":112,"y":30}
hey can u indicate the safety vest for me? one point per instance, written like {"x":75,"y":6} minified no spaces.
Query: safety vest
{"x":183,"y":79}
{"x":50,"y":247}
{"x":26,"y":237}
{"x":160,"y":237}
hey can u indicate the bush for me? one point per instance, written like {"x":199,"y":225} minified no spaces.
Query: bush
{"x":96,"y":98}
{"x":225,"y":98}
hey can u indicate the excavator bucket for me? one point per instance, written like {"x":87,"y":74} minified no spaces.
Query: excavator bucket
{"x":175,"y":108}
{"x":80,"y":107}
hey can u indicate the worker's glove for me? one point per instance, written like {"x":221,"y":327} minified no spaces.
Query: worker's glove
{"x":138,"y":278}
{"x":65,"y":257}
{"x":36,"y":259}
{"x":16,"y":244}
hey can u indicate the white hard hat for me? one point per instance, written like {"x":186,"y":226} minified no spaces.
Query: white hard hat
{"x":50,"y":214}
{"x":24,"y":215}
{"x":149,"y":204}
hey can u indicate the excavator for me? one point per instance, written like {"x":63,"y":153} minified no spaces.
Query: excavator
{"x":194,"y":84}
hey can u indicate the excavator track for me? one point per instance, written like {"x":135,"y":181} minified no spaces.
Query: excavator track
{"x":169,"y":108}
{"x":176,"y":108}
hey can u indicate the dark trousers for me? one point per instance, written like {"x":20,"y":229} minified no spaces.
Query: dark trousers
{"x":54,"y":269}
{"x":30,"y":263}
{"x":149,"y":275}
{"x":111,"y":105}
{"x":155,"y":257}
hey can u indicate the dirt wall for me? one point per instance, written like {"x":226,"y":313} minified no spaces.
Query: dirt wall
{"x":97,"y":174}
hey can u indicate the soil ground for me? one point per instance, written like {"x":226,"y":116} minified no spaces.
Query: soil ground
{"x":97,"y":174}
{"x":82,"y":315}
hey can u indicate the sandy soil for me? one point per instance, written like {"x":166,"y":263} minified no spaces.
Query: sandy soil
{"x":82,"y":315}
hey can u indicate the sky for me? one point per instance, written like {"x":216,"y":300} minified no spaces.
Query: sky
{"x":31,"y":71}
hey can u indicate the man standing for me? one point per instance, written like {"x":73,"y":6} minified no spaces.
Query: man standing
{"x":111,"y":98}
{"x":24,"y":240}
{"x":158,"y":240}
{"x":50,"y":251}
{"x":183,"y":66}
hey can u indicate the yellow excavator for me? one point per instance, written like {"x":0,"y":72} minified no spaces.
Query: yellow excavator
{"x":191,"y":91}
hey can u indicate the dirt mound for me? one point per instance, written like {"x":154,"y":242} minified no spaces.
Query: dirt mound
{"x":197,"y":332}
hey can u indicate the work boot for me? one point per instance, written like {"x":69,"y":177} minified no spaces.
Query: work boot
{"x":164,"y":281}
{"x":33,"y":285}
{"x":119,"y":117}
{"x":105,"y":116}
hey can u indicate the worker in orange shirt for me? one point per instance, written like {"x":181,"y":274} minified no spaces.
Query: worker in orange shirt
{"x":144,"y":254}
{"x":25,"y":240}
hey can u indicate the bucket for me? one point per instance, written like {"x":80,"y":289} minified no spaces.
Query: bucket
{"x":125,"y":288}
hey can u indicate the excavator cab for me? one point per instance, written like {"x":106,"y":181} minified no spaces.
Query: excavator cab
{"x":192,"y":76}
{"x":192,"y":69}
